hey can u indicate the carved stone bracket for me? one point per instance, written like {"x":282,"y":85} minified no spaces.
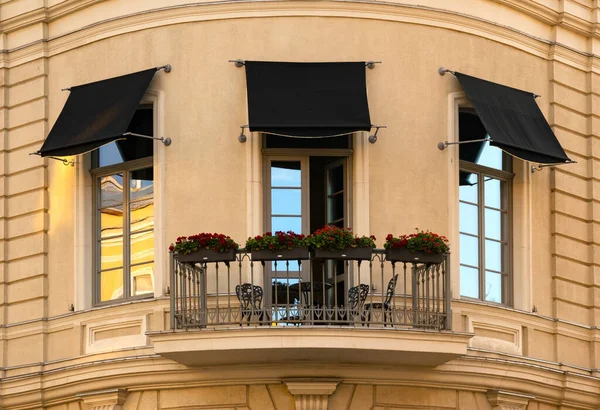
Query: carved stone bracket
{"x":311,"y":394}
{"x":111,"y":399}
{"x":503,"y":400}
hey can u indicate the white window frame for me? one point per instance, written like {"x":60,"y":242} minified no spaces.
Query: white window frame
{"x":84,"y":197}
{"x":521,"y":290}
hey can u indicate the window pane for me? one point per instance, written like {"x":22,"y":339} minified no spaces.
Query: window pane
{"x":286,"y":173}
{"x":111,"y":190}
{"x":111,"y":285}
{"x":469,"y":250}
{"x":142,"y":279}
{"x":493,"y":224}
{"x":286,"y":201}
{"x":491,"y":157}
{"x":109,"y":154}
{"x":469,"y":282}
{"x":141,"y":216}
{"x":469,"y":192}
{"x":285,"y":224}
{"x":493,"y":193}
{"x":469,"y":218}
{"x":493,"y":255}
{"x":141,"y":184}
{"x":493,"y":287}
{"x":142,"y":247}
{"x":111,"y":221}
{"x":111,"y":253}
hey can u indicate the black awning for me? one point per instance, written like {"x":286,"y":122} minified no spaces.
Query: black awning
{"x":307,"y":99}
{"x":513,"y":121}
{"x":96,"y":114}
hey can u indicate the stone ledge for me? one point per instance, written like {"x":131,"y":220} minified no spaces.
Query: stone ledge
{"x":320,"y":344}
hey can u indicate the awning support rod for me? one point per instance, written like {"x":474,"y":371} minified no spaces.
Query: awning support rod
{"x":64,"y":161}
{"x":372,"y":138}
{"x":443,"y":145}
{"x":540,"y":167}
{"x":166,"y":141}
{"x":443,"y":71}
{"x":166,"y":67}
{"x":241,"y":63}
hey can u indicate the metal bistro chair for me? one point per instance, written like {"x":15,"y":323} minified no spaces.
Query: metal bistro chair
{"x":250,"y":297}
{"x":386,"y":306}
{"x":357,"y":296}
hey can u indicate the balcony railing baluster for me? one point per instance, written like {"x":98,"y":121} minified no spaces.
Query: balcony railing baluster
{"x":419,"y":299}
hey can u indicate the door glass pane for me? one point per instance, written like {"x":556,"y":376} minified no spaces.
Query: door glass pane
{"x":111,"y":190}
{"x":111,"y":253}
{"x":469,"y":250}
{"x":141,"y":184}
{"x":111,"y":285}
{"x":493,"y":224}
{"x":286,"y":201}
{"x":336,"y":180}
{"x":336,"y":208}
{"x":286,"y":174}
{"x":493,"y":287}
{"x":285,"y":223}
{"x":468,"y":193}
{"x":469,"y":282}
{"x":142,"y":279}
{"x":469,"y":218}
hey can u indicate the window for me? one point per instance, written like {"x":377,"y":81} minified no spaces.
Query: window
{"x":485,"y":202}
{"x":123,"y":215}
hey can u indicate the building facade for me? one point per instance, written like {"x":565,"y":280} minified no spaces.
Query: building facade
{"x":92,"y":313}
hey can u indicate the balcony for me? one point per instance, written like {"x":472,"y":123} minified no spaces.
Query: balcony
{"x":343,"y":310}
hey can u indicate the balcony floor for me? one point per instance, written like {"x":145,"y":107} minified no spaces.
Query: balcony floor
{"x":249,"y":345}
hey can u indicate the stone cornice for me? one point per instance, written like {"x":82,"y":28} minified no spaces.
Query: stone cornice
{"x":386,"y":11}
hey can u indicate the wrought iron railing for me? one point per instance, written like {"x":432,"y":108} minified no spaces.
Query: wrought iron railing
{"x":368,"y":293}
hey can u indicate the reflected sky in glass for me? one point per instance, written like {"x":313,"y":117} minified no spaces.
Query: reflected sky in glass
{"x":468,"y":220}
{"x":493,"y":287}
{"x":286,"y":223}
{"x":469,"y":250}
{"x":469,"y":192}
{"x":492,"y":193}
{"x":469,"y":282}
{"x":493,"y":224}
{"x":109,"y":154}
{"x":491,"y":157}
{"x":493,"y":255}
{"x":286,"y":174}
{"x":286,"y":201}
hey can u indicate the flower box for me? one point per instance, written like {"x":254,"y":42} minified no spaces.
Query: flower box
{"x":360,"y":254}
{"x":207,"y":255}
{"x":404,"y":255}
{"x":295,"y":254}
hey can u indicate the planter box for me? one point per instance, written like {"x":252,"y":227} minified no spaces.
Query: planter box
{"x":356,"y":254}
{"x":404,"y":255}
{"x":207,"y":255}
{"x":296,"y":254}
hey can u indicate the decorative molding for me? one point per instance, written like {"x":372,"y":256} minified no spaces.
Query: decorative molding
{"x":311,"y":394}
{"x":504,"y":400}
{"x":111,"y":399}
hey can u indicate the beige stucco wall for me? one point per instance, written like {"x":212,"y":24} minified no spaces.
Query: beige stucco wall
{"x":547,"y":47}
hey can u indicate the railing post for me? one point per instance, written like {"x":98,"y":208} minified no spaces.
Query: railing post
{"x":203,"y":297}
{"x":415,"y":293}
{"x":172,"y":290}
{"x":447,"y":294}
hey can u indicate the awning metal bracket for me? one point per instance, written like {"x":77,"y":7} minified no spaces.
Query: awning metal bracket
{"x":167,"y":141}
{"x":65,"y":162}
{"x":443,"y":145}
{"x":240,"y":63}
{"x":540,"y":167}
